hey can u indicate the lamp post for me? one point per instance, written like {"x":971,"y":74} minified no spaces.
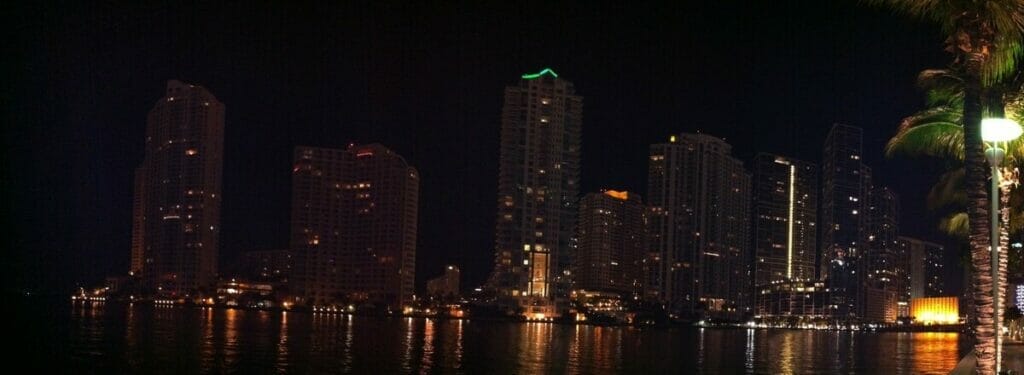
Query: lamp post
{"x":997,"y":134}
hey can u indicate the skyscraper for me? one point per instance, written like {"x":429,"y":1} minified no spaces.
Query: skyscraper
{"x":846,"y":185}
{"x":926,"y":272}
{"x":785,"y":219}
{"x":354,"y":217}
{"x":176,"y":213}
{"x":612,"y":243}
{"x":538,"y":187}
{"x":883,"y":263}
{"x":700,"y":201}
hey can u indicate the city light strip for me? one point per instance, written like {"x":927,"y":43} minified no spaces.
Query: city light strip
{"x":789,"y":229}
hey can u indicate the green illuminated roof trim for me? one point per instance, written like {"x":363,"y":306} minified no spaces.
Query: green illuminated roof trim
{"x":542,"y":72}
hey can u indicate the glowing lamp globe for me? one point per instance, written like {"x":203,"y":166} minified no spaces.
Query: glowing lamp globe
{"x":1000,"y":130}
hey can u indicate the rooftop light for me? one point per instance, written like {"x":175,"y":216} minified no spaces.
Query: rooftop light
{"x":541,"y":73}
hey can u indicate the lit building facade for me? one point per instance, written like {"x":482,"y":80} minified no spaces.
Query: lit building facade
{"x":176,"y":213}
{"x":354,"y":222}
{"x":846,"y":187}
{"x":612,"y":244}
{"x":885,"y":278}
{"x":926,"y":267}
{"x":785,"y":208}
{"x":700,"y":222}
{"x":538,"y":188}
{"x":801,"y":300}
{"x":935,"y":310}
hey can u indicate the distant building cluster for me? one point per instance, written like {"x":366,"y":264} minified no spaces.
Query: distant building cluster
{"x":787,"y":240}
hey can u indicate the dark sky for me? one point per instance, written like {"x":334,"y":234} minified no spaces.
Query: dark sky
{"x":427,"y":82}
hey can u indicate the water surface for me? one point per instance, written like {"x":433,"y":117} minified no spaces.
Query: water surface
{"x":146,"y":339}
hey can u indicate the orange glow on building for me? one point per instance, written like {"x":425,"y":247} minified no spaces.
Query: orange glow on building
{"x":622,"y":195}
{"x":935,"y":310}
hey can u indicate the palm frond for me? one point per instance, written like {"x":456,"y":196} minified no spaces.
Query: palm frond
{"x":942,"y":87}
{"x":1002,"y":62}
{"x":941,"y":139}
{"x":1005,"y":19}
{"x":955,"y":225}
{"x":948,"y":192}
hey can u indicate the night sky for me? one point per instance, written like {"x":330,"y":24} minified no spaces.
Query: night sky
{"x":427,"y":82}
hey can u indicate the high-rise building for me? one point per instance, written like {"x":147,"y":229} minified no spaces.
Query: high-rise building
{"x":138,"y":224}
{"x":176,"y":213}
{"x":785,"y":219}
{"x":846,"y":187}
{"x":700,"y":221}
{"x":884,"y":269}
{"x":538,"y":187}
{"x":446,"y":285}
{"x":926,"y":271}
{"x":354,"y":216}
{"x":612,"y":244}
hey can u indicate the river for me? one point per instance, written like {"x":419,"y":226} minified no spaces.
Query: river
{"x":117,"y":338}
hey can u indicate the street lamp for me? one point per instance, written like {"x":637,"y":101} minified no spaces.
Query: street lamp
{"x":997,"y":134}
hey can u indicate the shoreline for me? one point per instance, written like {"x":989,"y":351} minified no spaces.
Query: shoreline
{"x":722,"y":326}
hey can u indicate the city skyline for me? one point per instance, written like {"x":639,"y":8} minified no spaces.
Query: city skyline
{"x":704,"y":266}
{"x":263,"y":193}
{"x":518,"y":187}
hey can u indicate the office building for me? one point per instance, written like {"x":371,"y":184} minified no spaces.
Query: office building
{"x":785,"y":208}
{"x":846,"y":187}
{"x":926,"y":272}
{"x":882,"y":260}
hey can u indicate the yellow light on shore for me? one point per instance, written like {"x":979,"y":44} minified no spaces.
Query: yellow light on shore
{"x":935,"y":310}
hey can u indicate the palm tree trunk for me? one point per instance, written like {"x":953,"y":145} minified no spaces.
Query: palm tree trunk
{"x":976,"y":177}
{"x":1010,"y":179}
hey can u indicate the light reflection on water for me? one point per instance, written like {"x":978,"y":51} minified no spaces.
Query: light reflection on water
{"x":170,"y":339}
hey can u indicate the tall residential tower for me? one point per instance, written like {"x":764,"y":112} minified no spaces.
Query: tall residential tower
{"x":700,"y":221}
{"x":176,"y":213}
{"x":612,"y":244}
{"x":538,"y":187}
{"x":354,"y":217}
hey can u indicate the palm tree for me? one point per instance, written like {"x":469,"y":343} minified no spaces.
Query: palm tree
{"x":985,"y":39}
{"x":937,"y":133}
